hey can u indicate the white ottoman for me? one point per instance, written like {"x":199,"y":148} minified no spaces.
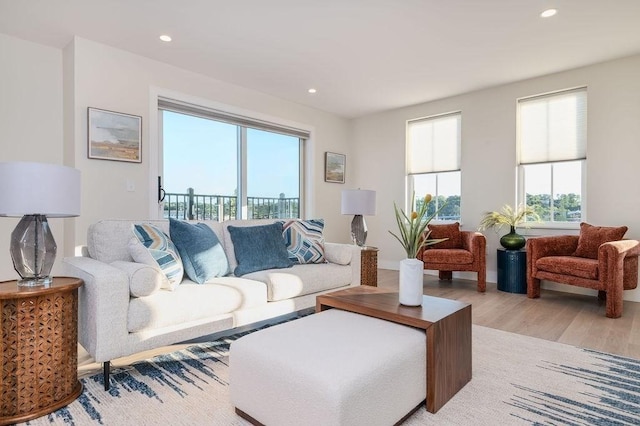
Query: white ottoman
{"x":330,"y":368}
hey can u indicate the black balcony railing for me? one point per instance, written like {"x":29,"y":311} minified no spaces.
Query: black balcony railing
{"x":193,"y":206}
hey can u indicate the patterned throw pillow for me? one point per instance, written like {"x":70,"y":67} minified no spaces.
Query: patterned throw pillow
{"x":304,"y":240}
{"x":153,"y":247}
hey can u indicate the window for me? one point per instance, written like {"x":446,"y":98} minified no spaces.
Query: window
{"x":433,"y":163}
{"x":552,"y":146}
{"x":218,"y":166}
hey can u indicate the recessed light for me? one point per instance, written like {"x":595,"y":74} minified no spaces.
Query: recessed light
{"x":312,"y":90}
{"x":165,"y":37}
{"x":548,"y":13}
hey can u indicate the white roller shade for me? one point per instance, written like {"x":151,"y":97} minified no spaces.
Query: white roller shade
{"x":553,"y":127}
{"x":433,"y":144}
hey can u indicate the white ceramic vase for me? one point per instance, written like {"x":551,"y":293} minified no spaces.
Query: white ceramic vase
{"x":411,"y":282}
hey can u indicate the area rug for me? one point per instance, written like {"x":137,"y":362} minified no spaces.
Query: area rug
{"x":516,"y":380}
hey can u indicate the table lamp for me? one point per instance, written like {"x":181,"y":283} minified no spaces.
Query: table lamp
{"x":34,"y":191}
{"x":358,"y":202}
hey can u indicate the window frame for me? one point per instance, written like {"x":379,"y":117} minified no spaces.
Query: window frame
{"x":243,"y":120}
{"x":520,"y":168}
{"x":410,"y":176}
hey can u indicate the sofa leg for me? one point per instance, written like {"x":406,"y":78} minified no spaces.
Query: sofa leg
{"x":445,"y":275}
{"x":106,"y":371}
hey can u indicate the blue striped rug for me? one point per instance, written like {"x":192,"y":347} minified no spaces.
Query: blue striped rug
{"x":516,"y":380}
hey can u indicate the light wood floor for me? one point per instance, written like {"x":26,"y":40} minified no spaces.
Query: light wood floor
{"x":560,"y":317}
{"x":572,"y":319}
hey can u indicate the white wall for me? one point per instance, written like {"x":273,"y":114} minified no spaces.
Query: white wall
{"x":30,"y":120}
{"x":44,"y":97}
{"x":116,"y":80}
{"x":489,"y":154}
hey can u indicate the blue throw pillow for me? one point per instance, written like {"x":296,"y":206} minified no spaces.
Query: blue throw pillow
{"x":258,"y":248}
{"x":202,"y":254}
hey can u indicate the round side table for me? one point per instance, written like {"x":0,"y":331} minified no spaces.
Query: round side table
{"x":512,"y":270}
{"x":39,"y":348}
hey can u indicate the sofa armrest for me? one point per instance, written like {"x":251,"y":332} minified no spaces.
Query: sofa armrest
{"x":345,"y":254}
{"x":475,"y":242}
{"x":618,"y":264}
{"x":103,"y":306}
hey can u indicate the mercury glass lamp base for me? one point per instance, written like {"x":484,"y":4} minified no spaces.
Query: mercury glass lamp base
{"x":358,"y":230}
{"x":35,"y":282}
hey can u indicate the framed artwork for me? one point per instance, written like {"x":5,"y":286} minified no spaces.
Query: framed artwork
{"x":114,"y":136}
{"x":334,"y":166}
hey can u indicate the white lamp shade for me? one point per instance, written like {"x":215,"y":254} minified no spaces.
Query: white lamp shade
{"x":39,"y":188}
{"x":359,"y":201}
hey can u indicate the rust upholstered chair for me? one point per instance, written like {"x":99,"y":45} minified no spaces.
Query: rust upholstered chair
{"x":462,"y":251}
{"x":598,"y":259}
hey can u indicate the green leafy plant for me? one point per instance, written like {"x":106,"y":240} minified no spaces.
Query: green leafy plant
{"x":412,"y":227}
{"x":508,"y":216}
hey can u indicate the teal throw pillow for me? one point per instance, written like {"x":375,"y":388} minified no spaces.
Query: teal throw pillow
{"x":258,"y":248}
{"x":304,"y":240}
{"x":202,"y":254}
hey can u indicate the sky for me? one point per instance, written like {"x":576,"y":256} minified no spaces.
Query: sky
{"x":202,"y":154}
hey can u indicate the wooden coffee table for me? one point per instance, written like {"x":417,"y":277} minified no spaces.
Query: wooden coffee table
{"x":447,"y":324}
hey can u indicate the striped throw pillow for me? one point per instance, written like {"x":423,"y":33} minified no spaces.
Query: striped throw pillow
{"x":304,"y":240}
{"x":153,"y":247}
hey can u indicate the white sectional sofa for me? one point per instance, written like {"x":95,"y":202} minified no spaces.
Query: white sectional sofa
{"x":122,"y":311}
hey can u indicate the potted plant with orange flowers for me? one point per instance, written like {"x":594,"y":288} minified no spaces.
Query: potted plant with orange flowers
{"x":412,"y":237}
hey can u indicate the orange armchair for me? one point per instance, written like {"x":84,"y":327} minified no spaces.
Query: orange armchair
{"x":614,"y":269}
{"x":463,"y":251}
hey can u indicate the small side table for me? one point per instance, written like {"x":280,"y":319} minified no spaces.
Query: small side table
{"x":512,"y":270}
{"x":39,"y":348}
{"x":369,"y":266}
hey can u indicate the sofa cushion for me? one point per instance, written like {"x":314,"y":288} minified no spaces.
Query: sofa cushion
{"x":302,"y":279}
{"x":144,"y":280}
{"x":151,"y":246}
{"x":202,"y":254}
{"x":188,"y":303}
{"x":592,"y":237}
{"x":254,"y":293}
{"x":304,"y":240}
{"x":447,"y":256}
{"x":582,"y":267}
{"x":258,"y":248}
{"x":449,"y":231}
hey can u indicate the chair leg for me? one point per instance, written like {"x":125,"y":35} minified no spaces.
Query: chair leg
{"x":482,"y":279}
{"x":106,"y":371}
{"x":614,"y":304}
{"x":533,"y":287}
{"x":602,"y":295}
{"x":445,"y":275}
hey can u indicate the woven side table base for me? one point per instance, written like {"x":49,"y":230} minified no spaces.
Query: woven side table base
{"x":369,"y":266}
{"x":38,"y":351}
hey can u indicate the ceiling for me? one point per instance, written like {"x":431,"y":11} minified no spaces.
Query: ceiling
{"x":362,"y":56}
